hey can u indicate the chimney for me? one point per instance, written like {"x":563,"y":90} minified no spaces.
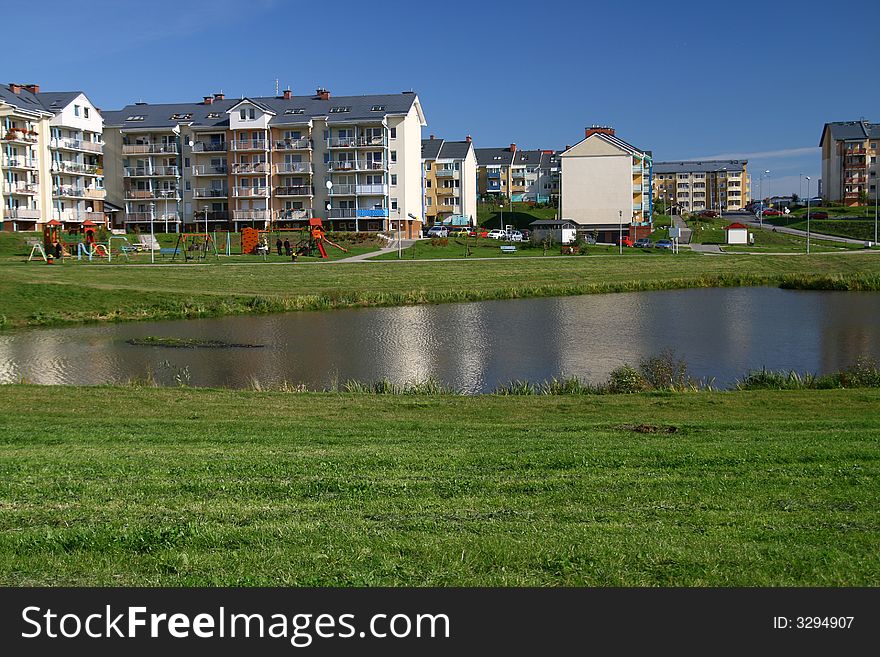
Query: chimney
{"x":33,"y":88}
{"x":219,"y":96}
{"x":208,"y":99}
{"x":287,"y":94}
{"x":14,"y":88}
{"x":468,"y":139}
{"x":601,"y":129}
{"x":323,"y":94}
{"x":513,"y":148}
{"x":432,"y":137}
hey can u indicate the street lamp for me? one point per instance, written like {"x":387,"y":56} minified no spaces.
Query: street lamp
{"x":329,"y":186}
{"x":205,"y":209}
{"x":620,"y":235}
{"x":152,"y":236}
{"x":808,"y":215}
{"x":165,"y":193}
{"x":876,"y":197}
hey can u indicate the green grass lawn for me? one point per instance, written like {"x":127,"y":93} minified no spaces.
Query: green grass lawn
{"x":35,"y":294}
{"x":859,"y":229}
{"x":518,"y":215}
{"x":173,"y":487}
{"x":711,"y":231}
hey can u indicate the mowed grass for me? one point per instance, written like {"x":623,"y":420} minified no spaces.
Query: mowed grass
{"x":37,"y":294}
{"x":194,"y":487}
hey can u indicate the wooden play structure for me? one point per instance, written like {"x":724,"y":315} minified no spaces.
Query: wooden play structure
{"x":194,"y":246}
{"x":54,"y":247}
{"x":308,"y":241}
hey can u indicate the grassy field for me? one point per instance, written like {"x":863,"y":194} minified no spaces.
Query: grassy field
{"x":711,"y":231}
{"x":859,"y":229}
{"x":37,"y":294}
{"x":178,"y":487}
{"x":518,"y":215}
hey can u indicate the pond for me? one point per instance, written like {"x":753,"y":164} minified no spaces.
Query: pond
{"x":472,"y":347}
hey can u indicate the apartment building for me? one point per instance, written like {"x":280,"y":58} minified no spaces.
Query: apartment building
{"x":354,"y":161}
{"x":606,"y":185}
{"x":708,"y":185}
{"x":547,"y":185}
{"x":449,"y":170}
{"x":509,"y":173}
{"x":51,"y":165}
{"x":850,"y":170}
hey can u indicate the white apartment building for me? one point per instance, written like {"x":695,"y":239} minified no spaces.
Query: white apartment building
{"x":449,"y":170}
{"x":850,"y":170}
{"x":707,"y":185}
{"x":354,"y":161}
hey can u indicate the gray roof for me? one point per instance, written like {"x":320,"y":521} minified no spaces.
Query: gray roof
{"x":440,"y":149}
{"x":851,"y":130}
{"x":360,"y":109}
{"x":55,"y":101}
{"x":530,"y":158}
{"x":549,"y":159}
{"x":701,"y":166}
{"x":23,"y":100}
{"x":431,"y":148}
{"x":494,"y":156}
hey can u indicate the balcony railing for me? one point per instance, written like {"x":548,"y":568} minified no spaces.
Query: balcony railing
{"x":855,"y":151}
{"x":209,"y":170}
{"x":170,"y":194}
{"x":209,"y":147}
{"x":69,"y":191}
{"x":446,"y":173}
{"x":77,"y":216}
{"x":855,"y":165}
{"x":249,"y":168}
{"x":447,"y":191}
{"x":293,"y":167}
{"x":19,"y":135}
{"x":146,"y":172}
{"x":295,"y":190}
{"x":251,"y":215}
{"x":356,"y":142}
{"x":294,"y":215}
{"x":355,"y":165}
{"x":206,"y":192}
{"x":77,"y":145}
{"x":77,"y":167}
{"x":250,"y":191}
{"x":292,"y":144}
{"x":361,"y":190}
{"x":147,"y":149}
{"x":342,"y":213}
{"x":91,"y":192}
{"x":493,"y":175}
{"x":249,"y":145}
{"x":20,"y":163}
{"x":146,"y":217}
{"x":21,"y":213}
{"x":21,"y":188}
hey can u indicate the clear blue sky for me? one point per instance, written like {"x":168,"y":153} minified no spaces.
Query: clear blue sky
{"x":684,"y":79}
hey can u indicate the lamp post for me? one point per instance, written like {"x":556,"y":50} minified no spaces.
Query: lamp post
{"x":808,"y":215}
{"x":205,"y":210}
{"x":165,"y":193}
{"x":876,"y":200}
{"x":620,"y":228}
{"x":329,"y":186}
{"x":720,"y":207}
{"x":502,"y":214}
{"x":152,"y":236}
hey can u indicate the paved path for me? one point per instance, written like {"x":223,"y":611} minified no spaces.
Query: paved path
{"x":706,"y":248}
{"x":752,"y":221}
{"x":686,"y":232}
{"x":392,"y":247}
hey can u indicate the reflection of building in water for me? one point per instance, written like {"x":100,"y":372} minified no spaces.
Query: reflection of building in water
{"x":843,"y":342}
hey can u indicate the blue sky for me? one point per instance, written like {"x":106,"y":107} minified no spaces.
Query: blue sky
{"x":685,"y":79}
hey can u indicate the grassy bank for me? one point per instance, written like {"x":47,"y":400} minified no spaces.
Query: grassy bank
{"x":200,"y":487}
{"x":41,"y":295}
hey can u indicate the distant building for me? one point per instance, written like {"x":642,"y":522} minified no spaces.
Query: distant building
{"x":606,"y":182}
{"x":849,"y":161}
{"x":702,"y":185}
{"x":449,"y":170}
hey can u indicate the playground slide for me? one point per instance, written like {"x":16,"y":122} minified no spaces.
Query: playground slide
{"x":321,"y":250}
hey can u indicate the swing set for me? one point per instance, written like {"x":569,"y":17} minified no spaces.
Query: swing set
{"x":195,"y":246}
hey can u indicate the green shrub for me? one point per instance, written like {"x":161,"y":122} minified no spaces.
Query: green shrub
{"x":666,"y":372}
{"x":626,"y":379}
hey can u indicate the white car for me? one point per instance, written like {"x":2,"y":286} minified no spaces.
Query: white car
{"x":497,"y":234}
{"x":438,"y":231}
{"x":514,"y":236}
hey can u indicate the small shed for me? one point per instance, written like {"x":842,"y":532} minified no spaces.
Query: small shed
{"x":563,"y":231}
{"x":737,"y":233}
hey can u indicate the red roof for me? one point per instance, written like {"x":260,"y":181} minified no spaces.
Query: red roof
{"x":315,"y":221}
{"x":735,"y":226}
{"x":89,"y":222}
{"x":54,"y":222}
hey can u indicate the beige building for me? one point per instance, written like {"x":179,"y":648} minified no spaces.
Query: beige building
{"x":354,"y":161}
{"x":708,"y":185}
{"x":606,"y":184}
{"x":509,"y":173}
{"x":450,"y":182}
{"x":51,"y":164}
{"x":850,"y":171}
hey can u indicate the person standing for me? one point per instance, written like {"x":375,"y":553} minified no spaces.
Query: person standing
{"x":278,"y":245}
{"x":287,"y":249}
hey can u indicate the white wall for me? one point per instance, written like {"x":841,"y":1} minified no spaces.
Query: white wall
{"x":596,"y":187}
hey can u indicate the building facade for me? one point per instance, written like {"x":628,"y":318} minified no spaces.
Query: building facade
{"x":449,"y":170}
{"x":606,"y":185}
{"x":354,"y":161}
{"x":850,"y":171}
{"x":52,"y":159}
{"x":509,"y":173}
{"x":708,"y":185}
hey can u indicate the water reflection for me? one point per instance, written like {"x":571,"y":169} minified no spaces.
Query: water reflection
{"x":475,"y":346}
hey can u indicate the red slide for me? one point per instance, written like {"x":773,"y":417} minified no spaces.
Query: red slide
{"x":321,"y":250}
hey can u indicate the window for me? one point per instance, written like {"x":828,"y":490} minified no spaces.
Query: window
{"x":295,"y":110}
{"x":393,"y":132}
{"x":377,"y":108}
{"x":428,"y":184}
{"x":86,"y":112}
{"x":186,"y":162}
{"x":394,"y":156}
{"x":394,"y":204}
{"x":188,"y":186}
{"x":339,"y":110}
{"x":242,"y":114}
{"x":252,"y":114}
{"x":873,"y":144}
{"x":135,"y":117}
{"x":181,"y":117}
{"x":427,"y":166}
{"x":76,"y":110}
{"x":428,"y":201}
{"x":213,"y":115}
{"x":393,"y":178}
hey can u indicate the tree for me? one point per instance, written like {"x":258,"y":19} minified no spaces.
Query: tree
{"x":795,"y":199}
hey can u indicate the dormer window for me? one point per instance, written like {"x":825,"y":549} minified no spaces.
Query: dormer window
{"x":181,"y":117}
{"x":214,"y":115}
{"x":247,"y":113}
{"x":295,"y":110}
{"x":377,"y":108}
{"x":339,"y":110}
{"x":135,"y":117}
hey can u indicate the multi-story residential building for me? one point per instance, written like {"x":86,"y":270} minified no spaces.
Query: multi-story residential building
{"x":354,"y":161}
{"x":509,"y":172}
{"x":706,"y":185}
{"x":606,"y":185}
{"x":850,"y":171}
{"x":450,"y":181}
{"x":52,"y":162}
{"x":547,"y":185}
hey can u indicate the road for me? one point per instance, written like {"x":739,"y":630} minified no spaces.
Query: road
{"x":751,"y":220}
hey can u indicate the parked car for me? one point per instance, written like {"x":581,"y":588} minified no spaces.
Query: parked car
{"x":514,"y":236}
{"x":526,"y":234}
{"x":438,"y":231}
{"x":626,"y":240}
{"x":771,"y":213}
{"x":643,"y":243}
{"x":663,"y":244}
{"x":497,"y":234}
{"x":459,"y":232}
{"x":588,"y":239}
{"x":818,"y":215}
{"x":709,"y":214}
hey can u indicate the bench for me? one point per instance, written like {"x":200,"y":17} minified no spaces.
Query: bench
{"x":508,"y":248}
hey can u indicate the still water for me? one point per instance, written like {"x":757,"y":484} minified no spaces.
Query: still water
{"x":472,"y":347}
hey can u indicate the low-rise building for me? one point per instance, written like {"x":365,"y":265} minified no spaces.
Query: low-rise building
{"x":449,"y":170}
{"x":850,"y":170}
{"x":606,"y":185}
{"x":692,"y":186}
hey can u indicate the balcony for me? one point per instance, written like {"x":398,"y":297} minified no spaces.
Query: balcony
{"x":342,"y":213}
{"x":68,"y":191}
{"x":637,"y":206}
{"x":63,"y":143}
{"x":256,"y":192}
{"x":251,"y":215}
{"x":77,"y":216}
{"x":250,"y":168}
{"x":447,"y":191}
{"x":372,"y":212}
{"x":209,"y":170}
{"x":94,"y":193}
{"x":209,"y":147}
{"x":147,"y":217}
{"x":855,"y":165}
{"x":357,"y":142}
{"x":493,"y":175}
{"x":637,"y":189}
{"x":151,"y":172}
{"x":21,"y":188}
{"x":20,"y":162}
{"x":249,"y":145}
{"x":855,"y":151}
{"x":355,"y":165}
{"x":21,"y":213}
{"x":76,"y":168}
{"x":293,"y":167}
{"x":292,"y":144}
{"x":447,"y":173}
{"x":148,"y":149}
{"x":360,"y":190}
{"x":20,"y":136}
{"x":295,"y":190}
{"x":140,"y":194}
{"x":294,"y":215}
{"x":206,"y":192}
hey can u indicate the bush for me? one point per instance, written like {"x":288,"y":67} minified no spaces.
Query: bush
{"x":626,"y":379}
{"x":666,"y":372}
{"x":439,"y":241}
